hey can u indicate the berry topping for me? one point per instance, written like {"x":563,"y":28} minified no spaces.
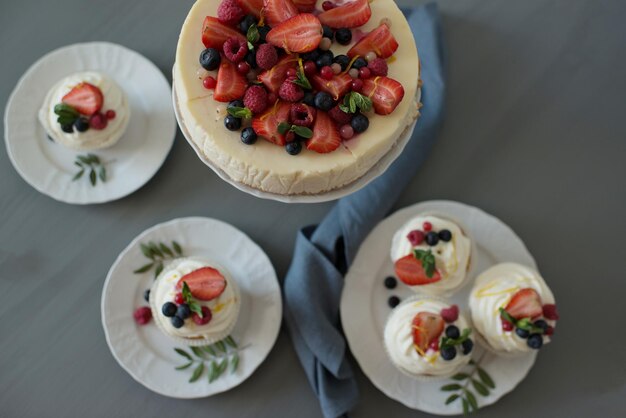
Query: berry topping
{"x":432,"y":238}
{"x":416,"y":237}
{"x":386,"y":94}
{"x":342,"y":60}
{"x":427,"y":226}
{"x":232,"y":123}
{"x":359,"y":63}
{"x":378,"y":67}
{"x":325,"y":135}
{"x":110,"y":114}
{"x":309,"y":98}
{"x":370,"y":56}
{"x":301,"y":33}
{"x":390,"y":282}
{"x":215,"y":33}
{"x":364,"y":72}
{"x":310,"y":68}
{"x":346,"y":131}
{"x":255,"y":99}
{"x":251,"y":58}
{"x":248,"y":136}
{"x":294,"y":147}
{"x":325,"y":44}
{"x":266,"y":125}
{"x":349,"y":15}
{"x":290,"y":91}
{"x":243,"y":67}
{"x":278,"y":11}
{"x":522,"y":333}
{"x":98,"y":121}
{"x":209,"y":82}
{"x":541,"y":324}
{"x":525,"y":303}
{"x":467,"y":346}
{"x":448,"y":352}
{"x":183,"y":311}
{"x":85,"y":98}
{"x":246,"y":22}
{"x":230,"y":84}
{"x":229,"y":12}
{"x":146,"y":295}
{"x":252,"y":7}
{"x":327,"y":5}
{"x":68,"y":128}
{"x":549,"y":331}
{"x":210,"y":59}
{"x":427,"y":327}
{"x":327,"y":72}
{"x":445,"y":235}
{"x":302,"y":115}
{"x":506,"y":325}
{"x":452,"y":331}
{"x":337,"y":87}
{"x":178,"y":299}
{"x":82,"y":124}
{"x":434,"y":345}
{"x":235,"y":49}
{"x":450,"y":314}
{"x":410,"y":270}
{"x":357,"y":85}
{"x":535,"y":341}
{"x":324,"y":58}
{"x":336,"y":68}
{"x":205,"y":283}
{"x":305,"y":5}
{"x":177,"y":322}
{"x":142,"y":315}
{"x":168,"y":309}
{"x":550,"y":312}
{"x":379,"y":40}
{"x":343,"y":36}
{"x":393,"y":301}
{"x":291,"y":72}
{"x":339,"y":116}
{"x":266,"y":56}
{"x":205,"y":318}
{"x":360,"y":123}
{"x":273,"y":78}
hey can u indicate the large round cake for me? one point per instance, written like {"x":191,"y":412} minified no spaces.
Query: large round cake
{"x":333,"y":94}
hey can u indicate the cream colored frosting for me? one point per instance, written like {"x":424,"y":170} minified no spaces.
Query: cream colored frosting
{"x":266,"y":166}
{"x":493,"y":290}
{"x":114,"y":99}
{"x":399,"y":340}
{"x":452,"y":258}
{"x":224,"y":308}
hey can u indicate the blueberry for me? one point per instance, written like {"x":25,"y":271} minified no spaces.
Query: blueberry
{"x":522,"y":333}
{"x":146,"y":295}
{"x":342,"y":60}
{"x":343,"y":36}
{"x":391,"y":282}
{"x":541,"y":324}
{"x":467,"y":346}
{"x":293,"y":148}
{"x":452,"y":331}
{"x":325,"y":59}
{"x":177,"y":322}
{"x":535,"y":341}
{"x":311,"y":56}
{"x":183,"y":311}
{"x":448,"y":352}
{"x":210,"y":59}
{"x":168,"y":309}
{"x":68,"y":129}
{"x":309,"y":98}
{"x":393,"y":301}
{"x":432,"y":238}
{"x":235,"y":103}
{"x":323,"y":101}
{"x":251,"y":59}
{"x":246,"y":22}
{"x":360,"y":123}
{"x":445,"y":235}
{"x":248,"y":136}
{"x":359,"y":62}
{"x":263,"y":31}
{"x":232,"y":123}
{"x":81,"y":124}
{"x":328,"y":32}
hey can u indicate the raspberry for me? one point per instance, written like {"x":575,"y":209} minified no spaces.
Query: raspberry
{"x":450,"y":314}
{"x":229,"y":12}
{"x":142,"y":315}
{"x":266,"y":56}
{"x":339,"y":116}
{"x":98,"y":121}
{"x":416,"y":237}
{"x":235,"y":49}
{"x":506,"y":325}
{"x":378,"y":67}
{"x":206,"y":316}
{"x":550,"y":312}
{"x":290,"y":92}
{"x":255,"y":99}
{"x":302,"y":115}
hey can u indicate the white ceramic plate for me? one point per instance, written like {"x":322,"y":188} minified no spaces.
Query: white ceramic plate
{"x":49,"y":167}
{"x":364,"y":308}
{"x":379,"y":168}
{"x":145,"y":352}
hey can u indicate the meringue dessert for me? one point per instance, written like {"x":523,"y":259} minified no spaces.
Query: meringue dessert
{"x":513,"y":309}
{"x":85,"y":111}
{"x":431,"y":254}
{"x":289,"y":98}
{"x":427,"y":337}
{"x":195,"y":301}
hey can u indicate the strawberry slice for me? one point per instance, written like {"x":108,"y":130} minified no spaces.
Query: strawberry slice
{"x":85,"y":98}
{"x":301,"y":33}
{"x":277,"y":11}
{"x":386,"y":93}
{"x":525,"y":303}
{"x":205,"y":283}
{"x":215,"y":33}
{"x":409,"y":269}
{"x":337,"y":86}
{"x":350,"y":15}
{"x":305,"y":5}
{"x":427,"y":328}
{"x":231,"y":84}
{"x":266,"y":124}
{"x":252,"y":7}
{"x":274,"y":77}
{"x":380,"y":40}
{"x":325,"y":135}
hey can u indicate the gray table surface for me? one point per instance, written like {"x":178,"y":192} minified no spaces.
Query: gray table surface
{"x":535,"y":135}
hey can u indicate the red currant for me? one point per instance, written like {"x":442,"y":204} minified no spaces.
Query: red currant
{"x":434,"y":344}
{"x":178,"y":299}
{"x":427,"y":226}
{"x":327,"y":5}
{"x":110,"y":114}
{"x":310,"y":68}
{"x":243,"y":67}
{"x":327,"y":72}
{"x":357,"y":85}
{"x":364,"y":72}
{"x":209,"y":83}
{"x":507,"y":326}
{"x":291,"y":72}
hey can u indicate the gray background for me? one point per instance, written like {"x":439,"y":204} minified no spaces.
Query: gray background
{"x":534,"y":134}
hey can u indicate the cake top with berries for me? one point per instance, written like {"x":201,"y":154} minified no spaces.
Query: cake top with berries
{"x":296,"y":96}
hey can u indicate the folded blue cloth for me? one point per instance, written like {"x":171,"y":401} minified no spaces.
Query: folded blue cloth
{"x":323,"y":253}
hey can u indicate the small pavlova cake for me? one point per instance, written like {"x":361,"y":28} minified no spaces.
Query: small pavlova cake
{"x":426,"y":337}
{"x":85,"y":111}
{"x":431,"y":254}
{"x":195,"y":301}
{"x":512,"y":309}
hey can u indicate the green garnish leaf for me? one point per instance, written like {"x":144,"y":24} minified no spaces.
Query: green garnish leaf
{"x":146,"y":251}
{"x":198,"y":352}
{"x":196,"y":307}
{"x":486,"y":379}
{"x":234,"y":363}
{"x":480,"y":388}
{"x":144,"y":268}
{"x":183,"y":353}
{"x":302,"y":131}
{"x":166,"y":250}
{"x":186,"y":293}
{"x":92,"y":177}
{"x":231,"y":341}
{"x":209,"y":350}
{"x":450,"y":399}
{"x":197,"y":373}
{"x":78,"y":175}
{"x":184,"y":366}
{"x":460,"y":376}
{"x":301,"y":80}
{"x":465,"y":407}
{"x":451,"y":387}
{"x":65,"y":108}
{"x":177,"y":247}
{"x":471,"y":399}
{"x":102,"y":173}
{"x":428,"y":261}
{"x":283,"y":128}
{"x":213,"y":374}
{"x":504,"y":314}
{"x":221,"y":346}
{"x":253,"y":36}
{"x":240,"y":112}
{"x":354,"y":100}
{"x":159,"y":269}
{"x":451,"y":342}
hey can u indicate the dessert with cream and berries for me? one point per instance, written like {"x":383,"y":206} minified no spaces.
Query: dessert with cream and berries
{"x":195,"y":301}
{"x":296,"y":97}
{"x":427,"y":337}
{"x":513,"y":309}
{"x":85,"y":111}
{"x":431,"y":254}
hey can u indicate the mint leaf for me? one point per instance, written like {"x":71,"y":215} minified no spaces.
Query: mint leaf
{"x":186,"y":293}
{"x":240,"y":112}
{"x":196,"y":307}
{"x":283,"y":128}
{"x":253,"y":36}
{"x":451,"y":342}
{"x":345,"y":109}
{"x":302,"y":131}
{"x":428,"y":261}
{"x":505,"y":315}
{"x":353,"y":101}
{"x":301,"y":79}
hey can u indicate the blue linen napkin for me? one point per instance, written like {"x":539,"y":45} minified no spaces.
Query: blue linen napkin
{"x":322,"y":254}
